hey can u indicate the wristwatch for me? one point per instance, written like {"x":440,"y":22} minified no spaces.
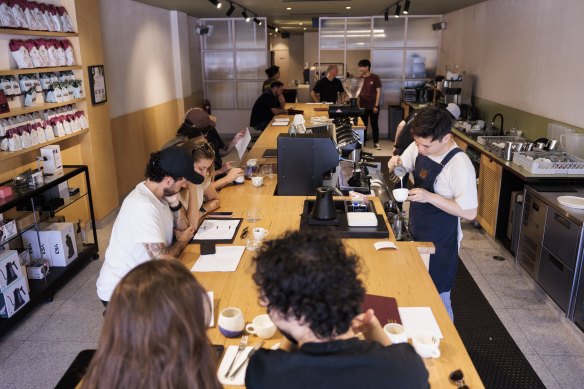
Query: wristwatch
{"x":202,"y":209}
{"x":176,"y":207}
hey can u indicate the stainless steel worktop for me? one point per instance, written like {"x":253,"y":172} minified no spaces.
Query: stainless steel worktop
{"x":551,"y":198}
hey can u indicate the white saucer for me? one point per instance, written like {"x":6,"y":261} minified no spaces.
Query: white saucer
{"x":572,"y":201}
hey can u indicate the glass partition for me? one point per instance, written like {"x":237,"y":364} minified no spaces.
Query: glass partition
{"x":219,"y":36}
{"x":388,"y":33}
{"x":359,"y":33}
{"x":249,"y":35}
{"x":332,"y":33}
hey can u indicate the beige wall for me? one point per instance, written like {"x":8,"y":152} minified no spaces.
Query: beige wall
{"x":527,"y":54}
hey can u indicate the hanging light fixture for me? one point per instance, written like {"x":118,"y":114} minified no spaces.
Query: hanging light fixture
{"x":407,"y":7}
{"x":397,"y":10}
{"x":257,"y":21}
{"x":230,"y":10}
{"x":216,"y":3}
{"x":245,"y":16}
{"x":386,"y":15}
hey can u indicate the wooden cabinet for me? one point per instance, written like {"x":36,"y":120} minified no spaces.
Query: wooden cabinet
{"x":488,"y":193}
{"x":460,"y":143}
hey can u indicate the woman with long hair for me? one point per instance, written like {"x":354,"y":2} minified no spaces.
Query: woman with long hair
{"x":154,"y":334}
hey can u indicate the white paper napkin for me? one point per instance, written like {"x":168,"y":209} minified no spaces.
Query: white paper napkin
{"x":239,"y":378}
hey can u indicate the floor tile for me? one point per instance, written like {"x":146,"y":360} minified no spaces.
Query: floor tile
{"x":77,"y":321}
{"x":487,"y":265}
{"x":547,"y":333}
{"x":542,"y":371}
{"x":26,"y":327}
{"x":515,"y":332}
{"x":7,"y":348}
{"x":49,"y":359}
{"x":514,"y":291}
{"x":487,"y":291}
{"x":88,"y":291}
{"x":567,"y":370}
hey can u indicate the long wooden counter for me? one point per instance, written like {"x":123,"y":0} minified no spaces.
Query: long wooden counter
{"x":398,"y":273}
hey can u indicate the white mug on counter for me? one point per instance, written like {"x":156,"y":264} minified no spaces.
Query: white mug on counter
{"x":426,"y":344}
{"x":396,"y":333}
{"x":230,"y":322}
{"x":259,"y":233}
{"x":262,"y":326}
{"x":257,"y":181}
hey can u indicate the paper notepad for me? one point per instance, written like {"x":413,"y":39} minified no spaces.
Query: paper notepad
{"x":217,"y":230}
{"x":416,"y":319}
{"x":241,"y":145}
{"x":225,"y":259}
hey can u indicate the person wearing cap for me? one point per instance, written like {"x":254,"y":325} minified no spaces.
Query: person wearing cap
{"x":273,"y":73}
{"x":149,"y":215}
{"x":267,"y":106}
{"x":445,"y":190}
{"x":199,"y":124}
{"x":328,"y":88}
{"x":403,"y":135}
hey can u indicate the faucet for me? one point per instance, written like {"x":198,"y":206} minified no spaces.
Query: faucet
{"x":501,"y":131}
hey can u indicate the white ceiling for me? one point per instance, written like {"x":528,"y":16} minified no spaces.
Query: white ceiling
{"x":304,"y":10}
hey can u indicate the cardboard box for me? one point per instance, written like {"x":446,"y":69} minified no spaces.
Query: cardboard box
{"x":10,"y":268}
{"x":36,"y":249}
{"x":23,"y":219}
{"x":14,"y":297}
{"x":5,"y":191}
{"x":62,"y":244}
{"x":7,"y":230}
{"x":37,"y":270}
{"x":52,"y":163}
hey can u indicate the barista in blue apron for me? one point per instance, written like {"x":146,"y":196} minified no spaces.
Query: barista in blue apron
{"x":444,"y":190}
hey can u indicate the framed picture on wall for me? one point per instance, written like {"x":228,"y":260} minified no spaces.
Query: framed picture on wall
{"x":97,"y":84}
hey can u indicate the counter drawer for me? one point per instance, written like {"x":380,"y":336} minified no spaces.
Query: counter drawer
{"x":555,"y":278}
{"x":562,"y":237}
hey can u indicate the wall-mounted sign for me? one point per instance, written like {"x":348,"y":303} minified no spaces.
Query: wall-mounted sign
{"x":97,"y":84}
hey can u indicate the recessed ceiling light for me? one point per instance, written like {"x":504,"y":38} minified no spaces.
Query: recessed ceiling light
{"x":289,"y":8}
{"x":304,"y":28}
{"x":300,"y":23}
{"x":348,"y":7}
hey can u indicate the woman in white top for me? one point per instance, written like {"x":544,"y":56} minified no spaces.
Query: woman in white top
{"x":201,"y":199}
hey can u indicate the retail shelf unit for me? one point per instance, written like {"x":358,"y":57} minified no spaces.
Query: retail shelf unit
{"x":73,"y":208}
{"x":8,"y":67}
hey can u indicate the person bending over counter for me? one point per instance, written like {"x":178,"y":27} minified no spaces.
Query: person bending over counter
{"x":445,"y":190}
{"x":155,"y":333}
{"x":199,"y":124}
{"x":144,"y":227}
{"x":267,"y":106}
{"x":200,"y":199}
{"x":310,"y":286}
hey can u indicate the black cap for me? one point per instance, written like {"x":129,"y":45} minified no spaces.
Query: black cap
{"x":177,"y":162}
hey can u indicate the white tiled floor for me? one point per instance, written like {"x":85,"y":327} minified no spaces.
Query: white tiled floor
{"x":40,"y":349}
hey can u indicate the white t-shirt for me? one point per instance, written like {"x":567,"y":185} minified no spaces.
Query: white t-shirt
{"x":143,"y":218}
{"x":457,"y":180}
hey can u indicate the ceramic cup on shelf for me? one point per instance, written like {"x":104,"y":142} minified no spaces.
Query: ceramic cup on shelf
{"x":262,"y":326}
{"x":259,"y":233}
{"x":426,"y":344}
{"x":231,"y":322}
{"x":396,"y":333}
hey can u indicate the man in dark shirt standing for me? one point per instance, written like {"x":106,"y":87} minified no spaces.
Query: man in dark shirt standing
{"x":267,"y":106}
{"x":369,"y":99}
{"x":328,"y":88}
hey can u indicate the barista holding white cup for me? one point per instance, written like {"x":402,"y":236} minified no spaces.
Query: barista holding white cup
{"x":444,"y":191}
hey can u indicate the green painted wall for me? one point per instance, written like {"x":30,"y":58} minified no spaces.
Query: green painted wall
{"x":533,"y":126}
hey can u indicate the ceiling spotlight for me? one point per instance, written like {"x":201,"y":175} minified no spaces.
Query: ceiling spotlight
{"x":397,"y":11}
{"x":216,"y":3}
{"x":348,"y":7}
{"x":258,"y":22}
{"x":276,"y":29}
{"x":300,"y":24}
{"x":304,"y":28}
{"x":245,"y":16}
{"x":386,"y":15}
{"x":230,"y":10}
{"x":407,"y":7}
{"x":289,"y":8}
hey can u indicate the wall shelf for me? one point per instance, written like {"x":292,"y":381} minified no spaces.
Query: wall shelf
{"x":13,"y":31}
{"x":12,"y":72}
{"x":4,"y":155}
{"x":36,"y":108}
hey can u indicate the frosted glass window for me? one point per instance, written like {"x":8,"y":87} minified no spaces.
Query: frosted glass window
{"x":218,"y":65}
{"x":332,"y":33}
{"x":391,"y":92}
{"x":358,"y":33}
{"x":219,"y":37}
{"x":250,"y":65}
{"x":221,"y":94}
{"x":388,"y":33}
{"x":420,"y":33}
{"x":388,"y":63}
{"x":421,"y":63}
{"x":248,"y":35}
{"x":247,"y":93}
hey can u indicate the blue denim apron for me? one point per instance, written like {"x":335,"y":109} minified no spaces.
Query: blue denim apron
{"x":430,"y":224}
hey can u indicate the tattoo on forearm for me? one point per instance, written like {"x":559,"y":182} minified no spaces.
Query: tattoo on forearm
{"x":155,"y":250}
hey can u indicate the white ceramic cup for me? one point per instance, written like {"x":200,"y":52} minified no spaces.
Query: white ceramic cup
{"x":396,"y":333}
{"x":426,"y":344}
{"x":262,"y":326}
{"x":259,"y":233}
{"x":239,"y":179}
{"x":257,"y":181}
{"x":400,"y":194}
{"x":231,"y":322}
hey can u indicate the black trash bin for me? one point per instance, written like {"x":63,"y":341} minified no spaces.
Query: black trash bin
{"x":395,"y":114}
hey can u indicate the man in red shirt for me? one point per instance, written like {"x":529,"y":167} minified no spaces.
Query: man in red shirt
{"x":369,"y":99}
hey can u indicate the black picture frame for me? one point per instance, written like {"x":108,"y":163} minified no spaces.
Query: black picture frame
{"x":97,"y":87}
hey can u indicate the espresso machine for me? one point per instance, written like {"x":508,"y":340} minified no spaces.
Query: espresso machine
{"x":457,"y":87}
